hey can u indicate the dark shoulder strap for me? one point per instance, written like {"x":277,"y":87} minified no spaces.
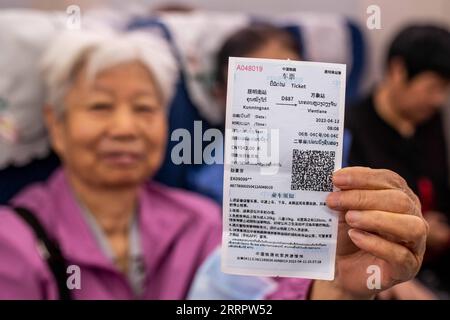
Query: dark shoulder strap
{"x":53,"y":255}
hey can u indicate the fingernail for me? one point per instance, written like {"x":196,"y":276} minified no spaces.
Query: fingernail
{"x":334,"y":200}
{"x":341,"y":179}
{"x":353,"y":216}
{"x":355,"y":234}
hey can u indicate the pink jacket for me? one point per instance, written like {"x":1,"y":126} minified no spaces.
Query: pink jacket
{"x":178,"y":231}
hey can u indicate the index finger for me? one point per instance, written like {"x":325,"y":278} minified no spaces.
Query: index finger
{"x":364,"y":178}
{"x":367,"y":179}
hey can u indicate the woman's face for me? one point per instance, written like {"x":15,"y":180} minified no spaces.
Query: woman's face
{"x":114,"y":130}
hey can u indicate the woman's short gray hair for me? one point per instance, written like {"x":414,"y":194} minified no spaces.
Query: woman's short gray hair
{"x":100,"y":51}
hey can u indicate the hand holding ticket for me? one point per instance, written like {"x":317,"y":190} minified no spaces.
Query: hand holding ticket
{"x":382,"y":234}
{"x":282,"y":201}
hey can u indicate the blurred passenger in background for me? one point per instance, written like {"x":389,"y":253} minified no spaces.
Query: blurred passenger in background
{"x":399,"y":126}
{"x":260,"y":40}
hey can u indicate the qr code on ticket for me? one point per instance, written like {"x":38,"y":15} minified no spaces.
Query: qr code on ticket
{"x":312,"y":170}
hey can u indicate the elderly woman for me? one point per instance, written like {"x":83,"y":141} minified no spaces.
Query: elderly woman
{"x":124,"y":238}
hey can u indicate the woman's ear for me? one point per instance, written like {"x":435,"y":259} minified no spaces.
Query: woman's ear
{"x":54,"y":125}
